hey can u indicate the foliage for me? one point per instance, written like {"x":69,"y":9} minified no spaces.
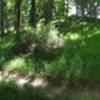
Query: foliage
{"x":20,"y":65}
{"x":55,"y":49}
{"x":41,"y":37}
{"x":77,"y":61}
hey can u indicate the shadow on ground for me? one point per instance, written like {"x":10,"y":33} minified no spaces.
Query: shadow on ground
{"x":9,"y":91}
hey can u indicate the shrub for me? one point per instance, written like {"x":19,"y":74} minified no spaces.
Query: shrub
{"x":65,"y":69}
{"x":41,"y":37}
{"x":56,"y":70}
{"x":19,"y":64}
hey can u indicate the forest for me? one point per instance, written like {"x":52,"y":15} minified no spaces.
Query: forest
{"x":49,"y":49}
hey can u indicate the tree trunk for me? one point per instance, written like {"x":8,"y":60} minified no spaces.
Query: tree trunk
{"x":2,"y":17}
{"x":18,"y":17}
{"x":33,"y":13}
{"x":48,"y":11}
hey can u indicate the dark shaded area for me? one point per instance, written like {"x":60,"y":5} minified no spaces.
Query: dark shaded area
{"x":9,"y":91}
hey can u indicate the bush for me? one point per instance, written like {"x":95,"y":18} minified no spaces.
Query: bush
{"x":69,"y":69}
{"x":56,"y":70}
{"x":42,"y":37}
{"x":20,"y":65}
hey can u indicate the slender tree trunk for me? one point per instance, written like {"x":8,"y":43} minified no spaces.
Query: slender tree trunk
{"x":18,"y":17}
{"x":48,"y":11}
{"x":33,"y":13}
{"x":2,"y":17}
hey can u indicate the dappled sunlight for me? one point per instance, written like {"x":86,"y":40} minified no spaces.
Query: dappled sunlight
{"x":82,"y":32}
{"x":21,"y":82}
{"x":55,"y":39}
{"x":1,"y":78}
{"x":86,"y":29}
{"x":10,"y":91}
{"x":19,"y":64}
{"x":53,"y":92}
{"x":15,"y":63}
{"x":6,"y":45}
{"x":97,"y":32}
{"x":12,"y":29}
{"x":74,"y":36}
{"x":39,"y":82}
{"x":7,"y":42}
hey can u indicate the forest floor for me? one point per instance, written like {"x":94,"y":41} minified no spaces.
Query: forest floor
{"x":43,"y":89}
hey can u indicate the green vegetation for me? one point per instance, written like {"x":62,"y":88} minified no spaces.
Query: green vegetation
{"x":76,"y":61}
{"x":10,"y":91}
{"x":47,"y":52}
